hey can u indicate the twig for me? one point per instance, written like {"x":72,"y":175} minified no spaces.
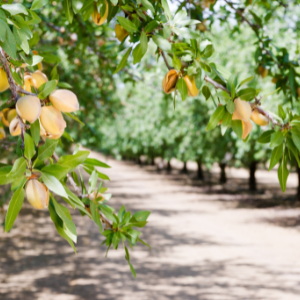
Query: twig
{"x":216,"y":84}
{"x":11,"y":82}
{"x":22,"y":91}
{"x":238,"y":11}
{"x":166,"y":61}
{"x":80,"y":195}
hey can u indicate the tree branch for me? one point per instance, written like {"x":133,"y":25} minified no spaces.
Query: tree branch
{"x":11,"y":81}
{"x":253,"y":105}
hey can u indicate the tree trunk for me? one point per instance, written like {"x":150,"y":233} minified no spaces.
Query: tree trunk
{"x":252,"y":180}
{"x":200,"y":171}
{"x":184,"y":169}
{"x":223,"y":178}
{"x":152,"y":161}
{"x":169,"y":168}
{"x":139,"y":160}
{"x":298,"y":191}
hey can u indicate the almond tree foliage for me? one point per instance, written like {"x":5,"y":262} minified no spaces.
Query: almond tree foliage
{"x":72,"y":41}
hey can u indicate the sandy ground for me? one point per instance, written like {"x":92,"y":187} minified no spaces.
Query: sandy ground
{"x":208,"y":242}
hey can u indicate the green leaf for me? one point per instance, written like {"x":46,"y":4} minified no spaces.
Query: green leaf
{"x":283,"y":174}
{"x":141,"y":215}
{"x":15,"y":9}
{"x":35,"y":131}
{"x":216,"y":117}
{"x":281,"y":112}
{"x":56,"y":170}
{"x":3,"y":175}
{"x":67,"y":4}
{"x":37,"y":4}
{"x":15,"y":205}
{"x":276,"y":155}
{"x":74,"y":118}
{"x":276,"y":139}
{"x":182,"y":88}
{"x":198,"y":80}
{"x":96,"y":215}
{"x":132,"y":269}
{"x":9,"y":45}
{"x":46,"y":89}
{"x":47,"y":150}
{"x":231,"y":84}
{"x":148,"y":5}
{"x":116,"y":239}
{"x":18,"y":168}
{"x":265,"y":137}
{"x":186,"y":33}
{"x":144,"y":243}
{"x":54,"y":184}
{"x":246,"y":94}
{"x":208,"y":51}
{"x":296,"y":138}
{"x":127,"y":24}
{"x":246,"y":80}
{"x":123,"y":61}
{"x":166,"y":9}
{"x":95,"y":162}
{"x":230,"y":106}
{"x":72,"y":161}
{"x":65,"y":215}
{"x":176,"y":63}
{"x":162,"y":43}
{"x":237,"y":127}
{"x":67,"y":136}
{"x":151,"y":26}
{"x":206,"y":92}
{"x":140,"y":50}
{"x":59,"y":224}
{"x":29,"y":146}
{"x":18,"y":182}
{"x":293,"y":148}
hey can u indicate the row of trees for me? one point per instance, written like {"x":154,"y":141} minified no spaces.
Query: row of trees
{"x":91,"y":48}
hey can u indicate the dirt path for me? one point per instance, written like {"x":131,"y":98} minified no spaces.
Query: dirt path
{"x":203,"y":248}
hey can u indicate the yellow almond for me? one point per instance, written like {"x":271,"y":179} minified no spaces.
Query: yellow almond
{"x":259,"y":119}
{"x":37,"y":194}
{"x":64,"y":100}
{"x":52,"y":121}
{"x":247,"y":127}
{"x":2,"y":133}
{"x":191,"y":86}
{"x":40,"y":78}
{"x":170,"y":81}
{"x":14,"y":127}
{"x":97,"y":18}
{"x":29,"y":108}
{"x":4,"y":85}
{"x":242,"y":110}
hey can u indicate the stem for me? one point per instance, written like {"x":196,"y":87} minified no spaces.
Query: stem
{"x":11,"y":81}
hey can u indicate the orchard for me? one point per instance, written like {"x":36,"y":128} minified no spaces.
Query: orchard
{"x":141,"y":78}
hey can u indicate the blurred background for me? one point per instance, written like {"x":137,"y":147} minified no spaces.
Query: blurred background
{"x":220,"y":226}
